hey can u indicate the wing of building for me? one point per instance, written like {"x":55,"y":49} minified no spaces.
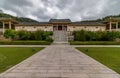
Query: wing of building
{"x":59,"y":25}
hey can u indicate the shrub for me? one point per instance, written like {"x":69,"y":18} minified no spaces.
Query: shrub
{"x":24,"y":35}
{"x":49,"y":39}
{"x":10,"y":33}
{"x":38,"y":35}
{"x":79,"y":35}
{"x":50,"y":33}
{"x":95,"y":36}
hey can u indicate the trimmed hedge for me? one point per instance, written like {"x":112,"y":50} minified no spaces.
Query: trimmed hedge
{"x":25,"y":43}
{"x":94,"y":43}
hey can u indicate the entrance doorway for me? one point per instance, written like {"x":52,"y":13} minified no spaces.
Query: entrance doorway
{"x":59,"y":27}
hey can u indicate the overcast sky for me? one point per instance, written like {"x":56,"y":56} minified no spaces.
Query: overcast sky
{"x":76,"y":10}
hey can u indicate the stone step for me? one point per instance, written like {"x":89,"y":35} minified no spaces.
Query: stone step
{"x":60,"y":36}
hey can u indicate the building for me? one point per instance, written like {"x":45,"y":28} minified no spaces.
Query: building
{"x":60,"y":25}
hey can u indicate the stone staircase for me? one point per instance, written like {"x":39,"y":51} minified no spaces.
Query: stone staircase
{"x":60,"y":37}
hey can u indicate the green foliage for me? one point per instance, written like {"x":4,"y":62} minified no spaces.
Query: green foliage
{"x":24,"y":35}
{"x":25,"y":43}
{"x":39,"y":35}
{"x":94,"y":43}
{"x":109,"y":56}
{"x":13,"y":55}
{"x":27,"y":35}
{"x":19,"y":19}
{"x":81,"y":35}
{"x":50,"y":33}
{"x":49,"y":39}
{"x":36,"y":35}
{"x":96,"y":36}
{"x":10,"y":33}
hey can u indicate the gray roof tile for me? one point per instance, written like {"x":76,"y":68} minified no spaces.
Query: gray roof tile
{"x":60,"y":20}
{"x":87,"y":23}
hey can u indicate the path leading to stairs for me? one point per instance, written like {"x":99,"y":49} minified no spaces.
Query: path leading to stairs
{"x":60,"y":62}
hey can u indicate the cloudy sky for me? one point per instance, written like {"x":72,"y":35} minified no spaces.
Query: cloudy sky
{"x":76,"y":10}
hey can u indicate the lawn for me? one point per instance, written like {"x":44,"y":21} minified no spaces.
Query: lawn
{"x":25,"y":42}
{"x":94,"y":43}
{"x":12,"y":56}
{"x":108,"y":56}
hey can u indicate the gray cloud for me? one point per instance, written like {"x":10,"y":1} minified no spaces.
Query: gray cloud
{"x":76,"y":10}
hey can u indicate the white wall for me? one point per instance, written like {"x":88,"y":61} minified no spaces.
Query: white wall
{"x":87,"y":28}
{"x":34,"y":28}
{"x":69,"y":28}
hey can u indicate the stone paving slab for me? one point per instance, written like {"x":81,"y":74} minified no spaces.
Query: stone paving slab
{"x":59,"y":62}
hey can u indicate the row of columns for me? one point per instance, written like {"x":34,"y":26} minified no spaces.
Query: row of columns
{"x":9,"y":23}
{"x":113,"y":23}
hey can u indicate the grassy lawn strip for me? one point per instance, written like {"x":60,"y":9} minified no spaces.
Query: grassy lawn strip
{"x":94,"y":43}
{"x":108,"y":56}
{"x":25,"y":43}
{"x":12,"y":56}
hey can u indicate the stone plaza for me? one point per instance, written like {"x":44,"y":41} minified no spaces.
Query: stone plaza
{"x":59,"y":61}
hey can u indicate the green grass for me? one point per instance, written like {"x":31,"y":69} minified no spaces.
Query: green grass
{"x":94,"y":43}
{"x":12,"y":56}
{"x":108,"y":56}
{"x":25,"y":43}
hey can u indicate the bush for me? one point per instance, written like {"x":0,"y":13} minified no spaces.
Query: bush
{"x":10,"y":33}
{"x":36,"y":35}
{"x":39,"y":35}
{"x":50,"y":33}
{"x":24,"y":35}
{"x":79,"y":35}
{"x":49,"y":39}
{"x":96,"y":36}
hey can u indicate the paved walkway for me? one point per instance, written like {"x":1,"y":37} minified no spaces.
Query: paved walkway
{"x":59,"y":45}
{"x":60,"y":62}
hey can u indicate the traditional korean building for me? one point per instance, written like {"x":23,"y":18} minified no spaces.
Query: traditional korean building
{"x":60,"y":25}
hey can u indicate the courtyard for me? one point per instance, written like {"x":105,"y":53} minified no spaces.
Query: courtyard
{"x":59,"y":61}
{"x":59,"y":39}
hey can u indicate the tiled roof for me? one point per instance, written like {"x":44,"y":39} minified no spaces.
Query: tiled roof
{"x":87,"y":23}
{"x":33,"y":23}
{"x":59,"y":20}
{"x":8,"y":19}
{"x":112,"y":19}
